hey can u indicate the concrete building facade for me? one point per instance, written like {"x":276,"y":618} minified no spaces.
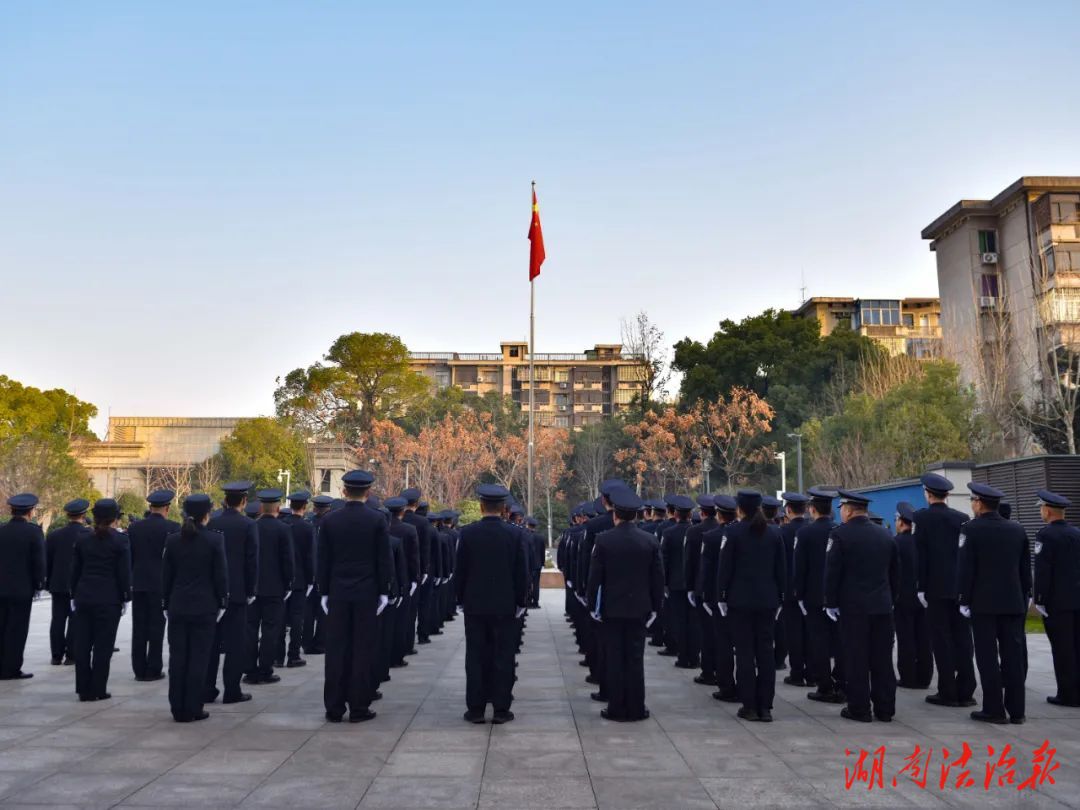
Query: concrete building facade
{"x":901,"y":325}
{"x":572,"y":390}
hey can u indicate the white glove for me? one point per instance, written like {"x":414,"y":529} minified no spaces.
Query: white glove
{"x":707,"y":608}
{"x":569,"y":584}
{"x":288,"y":593}
{"x":802,"y":607}
{"x":778,"y":611}
{"x":397,"y":602}
{"x":325,"y":602}
{"x":723,"y":608}
{"x":690,"y":598}
{"x":965,"y":611}
{"x":651,"y":619}
{"x":166,"y":615}
{"x":72,"y":605}
{"x":833,"y":614}
{"x":123,"y":608}
{"x":307,"y":593}
{"x":922,"y":598}
{"x":667,"y":593}
{"x":596,"y":617}
{"x":1042,"y":610}
{"x":423,"y":579}
{"x":220,"y":613}
{"x":412,"y":589}
{"x":450,"y":577}
{"x":580,"y":599}
{"x":251,"y":600}
{"x":521,"y":612}
{"x":384,"y":600}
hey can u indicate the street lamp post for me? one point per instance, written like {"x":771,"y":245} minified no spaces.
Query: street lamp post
{"x":705,"y":466}
{"x":287,"y":475}
{"x":782,"y":458}
{"x":798,"y":450}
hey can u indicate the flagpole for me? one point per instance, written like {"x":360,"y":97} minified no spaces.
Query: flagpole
{"x":532,"y":384}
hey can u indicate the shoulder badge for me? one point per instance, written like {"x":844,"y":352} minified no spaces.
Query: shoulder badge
{"x":723,"y":542}
{"x":963,"y":539}
{"x":1038,"y":546}
{"x":828,"y":546}
{"x":795,"y":545}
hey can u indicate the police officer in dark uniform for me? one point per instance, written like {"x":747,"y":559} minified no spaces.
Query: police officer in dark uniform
{"x":421,"y":599}
{"x":539,"y":551}
{"x":100,"y":591}
{"x":751,"y":578}
{"x":390,"y":631}
{"x":1057,"y":593}
{"x":303,"y":540}
{"x":22,"y":573}
{"x":862,"y":577}
{"x":625,"y":595}
{"x":914,"y":658}
{"x":994,"y":586}
{"x":700,"y":635}
{"x":355,"y":573}
{"x":808,"y":588}
{"x":793,"y":620}
{"x":314,"y":627}
{"x":195,"y":585}
{"x":676,"y":606}
{"x":147,"y":538}
{"x":936,"y":530}
{"x":594,"y":527}
{"x":276,"y":573}
{"x":59,"y":547}
{"x":241,"y":535}
{"x":706,"y":588}
{"x":409,"y":542}
{"x":492,"y":586}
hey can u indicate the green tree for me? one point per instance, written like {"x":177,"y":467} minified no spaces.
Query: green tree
{"x":259,"y":447}
{"x":365,"y":376}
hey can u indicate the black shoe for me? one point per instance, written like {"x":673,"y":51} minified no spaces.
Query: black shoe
{"x":474,"y":717}
{"x":937,"y":700}
{"x":781,"y":667}
{"x":413,"y":651}
{"x":200,"y":716}
{"x":57,"y":662}
{"x":314,"y":651}
{"x":705,"y":680}
{"x":668,"y":653}
{"x":436,"y":633}
{"x":904,"y":685}
{"x":292,"y":663}
{"x":884,"y":718}
{"x":423,"y":641}
{"x":502,"y":717}
{"x":210,"y":696}
{"x":608,"y":716}
{"x":86,"y":699}
{"x":361,"y":716}
{"x":791,"y":680}
{"x":748,"y":714}
{"x":69,"y":662}
{"x":582,"y":663}
{"x":1018,"y":721}
{"x":1054,"y":700}
{"x":656,"y":644}
{"x":376,"y":696}
{"x":399,"y":664}
{"x":19,"y":676}
{"x":827,"y":697}
{"x":333,"y":718}
{"x":847,"y":714}
{"x":725,"y":696}
{"x":243,"y":697}
{"x":252,"y":679}
{"x":685,"y":665}
{"x":271,"y":678}
{"x":965,"y":702}
{"x":384,"y":679}
{"x":599,"y":697}
{"x":279,"y":663}
{"x":592,"y":680}
{"x":104,"y":696}
{"x":765,"y":716}
{"x":983,"y":717}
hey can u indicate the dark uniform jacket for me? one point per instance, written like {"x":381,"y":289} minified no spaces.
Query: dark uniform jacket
{"x":276,"y":569}
{"x":538,"y":550}
{"x":994,"y":570}
{"x":705,"y":586}
{"x":147,"y":538}
{"x":673,"y":555}
{"x":195,"y":574}
{"x":937,"y":533}
{"x":425,"y":534}
{"x":692,"y":559}
{"x":59,"y":550}
{"x":400,"y":584}
{"x":788,"y":532}
{"x":355,"y":562}
{"x":752,"y":572}
{"x":593,"y":528}
{"x":410,"y":550}
{"x":22,"y":559}
{"x":303,"y":540}
{"x":491,"y":576}
{"x":862,"y":568}
{"x":573,"y":544}
{"x":626,"y":576}
{"x":241,"y":535}
{"x":808,"y":584}
{"x":908,"y":598}
{"x":1057,"y":566}
{"x":101,"y":569}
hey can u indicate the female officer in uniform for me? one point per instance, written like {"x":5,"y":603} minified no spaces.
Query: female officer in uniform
{"x":196,"y":591}
{"x":100,"y":591}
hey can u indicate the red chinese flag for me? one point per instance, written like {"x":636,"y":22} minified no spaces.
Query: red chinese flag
{"x":536,"y":241}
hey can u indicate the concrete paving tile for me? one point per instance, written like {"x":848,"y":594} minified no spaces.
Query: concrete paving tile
{"x":154,"y":761}
{"x":636,"y":762}
{"x":511,"y":764}
{"x":87,"y":790}
{"x":301,"y":790}
{"x":444,"y":739}
{"x":246,"y":738}
{"x":570,"y":793}
{"x":29,"y":758}
{"x":287,"y":721}
{"x":82,"y":734}
{"x":248,"y":763}
{"x":398,"y":792}
{"x":434,"y":763}
{"x":12,"y":783}
{"x":763,"y":792}
{"x":202,"y":790}
{"x":636,"y":793}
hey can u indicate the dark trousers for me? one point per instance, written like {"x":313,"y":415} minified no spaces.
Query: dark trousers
{"x":679,"y":610}
{"x":60,"y":627}
{"x":708,"y":641}
{"x":314,"y":627}
{"x":230,"y":638}
{"x":190,"y":641}
{"x":536,"y":587}
{"x":795,"y":638}
{"x":914,"y":658}
{"x":1063,"y":632}
{"x":388,"y":626}
{"x":999,"y":653}
{"x":868,"y":668}
{"x":94,"y":635}
{"x":423,"y":609}
{"x":725,"y":651}
{"x":755,"y":667}
{"x":819,"y":648}
{"x":489,"y":661}
{"x":950,"y":636}
{"x":351,"y":641}
{"x":780,"y":649}
{"x":264,"y":618}
{"x":147,"y":633}
{"x":624,"y":658}
{"x":405,"y":628}
{"x":293,"y":622}
{"x":14,"y":627}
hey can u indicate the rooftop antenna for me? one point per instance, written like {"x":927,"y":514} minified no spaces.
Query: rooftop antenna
{"x":802,"y":289}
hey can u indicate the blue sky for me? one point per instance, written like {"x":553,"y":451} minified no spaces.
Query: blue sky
{"x":196,"y":197}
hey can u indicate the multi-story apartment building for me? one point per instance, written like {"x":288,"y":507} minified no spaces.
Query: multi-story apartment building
{"x":1009,"y":278}
{"x":901,"y":325}
{"x":572,"y":390}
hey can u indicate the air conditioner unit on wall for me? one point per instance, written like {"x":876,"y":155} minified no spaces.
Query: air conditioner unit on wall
{"x":989,"y":258}
{"x":987,"y":302}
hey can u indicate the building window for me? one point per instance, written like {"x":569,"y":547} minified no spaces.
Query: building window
{"x":1065,"y":209}
{"x":909,"y":319}
{"x":324,"y":482}
{"x":877,"y":313}
{"x":442,"y":379}
{"x":988,"y":287}
{"x":624,"y":396}
{"x":515,"y":351}
{"x":562,"y":375}
{"x":988,"y":242}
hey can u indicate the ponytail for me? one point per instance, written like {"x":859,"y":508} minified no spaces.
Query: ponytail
{"x":758,"y":523}
{"x":189,"y":529}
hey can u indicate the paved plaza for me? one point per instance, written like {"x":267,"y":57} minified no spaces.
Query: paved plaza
{"x":277,"y":751}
